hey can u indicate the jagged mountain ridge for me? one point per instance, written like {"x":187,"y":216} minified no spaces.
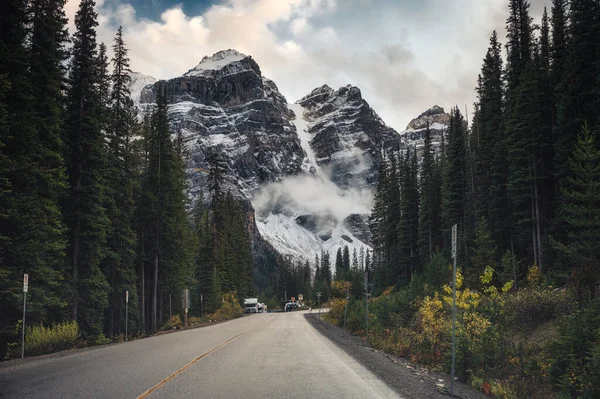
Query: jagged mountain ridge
{"x":330,"y":142}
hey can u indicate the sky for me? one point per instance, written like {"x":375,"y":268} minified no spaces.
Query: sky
{"x":404,"y":55}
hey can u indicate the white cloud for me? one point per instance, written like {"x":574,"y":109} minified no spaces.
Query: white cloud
{"x":404,"y":56}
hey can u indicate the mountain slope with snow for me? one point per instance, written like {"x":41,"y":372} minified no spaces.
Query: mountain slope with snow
{"x":305,"y":172}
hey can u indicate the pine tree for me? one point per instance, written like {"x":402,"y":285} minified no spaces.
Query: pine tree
{"x":32,"y":170}
{"x":339,"y":265}
{"x":484,"y":254}
{"x":428,"y":205}
{"x":378,"y":215}
{"x":355,"y":259}
{"x":85,"y":215}
{"x":581,"y":215}
{"x":558,"y":46}
{"x":454,"y":184}
{"x":488,"y":138}
{"x":346,"y":261}
{"x":408,"y":226}
{"x":122,"y":125}
{"x":15,"y":118}
{"x":577,"y":91}
{"x":545,"y":170}
{"x":326,"y":269}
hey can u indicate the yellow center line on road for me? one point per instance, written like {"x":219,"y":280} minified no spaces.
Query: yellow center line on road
{"x":163,"y":382}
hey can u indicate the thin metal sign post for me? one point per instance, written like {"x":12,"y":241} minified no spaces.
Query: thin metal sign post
{"x":126,"y":312}
{"x":367,"y":305}
{"x":347,"y":300}
{"x":319,"y":299}
{"x":454,"y":239}
{"x":201,"y":311}
{"x":25,"y":289}
{"x":186,"y":304}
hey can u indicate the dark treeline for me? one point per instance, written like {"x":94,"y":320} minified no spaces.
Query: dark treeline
{"x":93,"y":201}
{"x":521,"y":182}
{"x":324,"y":275}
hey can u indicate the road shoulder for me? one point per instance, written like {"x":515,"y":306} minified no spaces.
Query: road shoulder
{"x":406,"y":378}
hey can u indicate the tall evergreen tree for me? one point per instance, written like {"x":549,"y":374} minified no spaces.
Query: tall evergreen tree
{"x":409,"y":220}
{"x":378,"y":217}
{"x":339,"y":265}
{"x":490,"y":157}
{"x":581,"y":215}
{"x":122,"y":125}
{"x":168,"y":232}
{"x":32,"y":175}
{"x":31,"y":169}
{"x":326,"y":269}
{"x":558,"y":45}
{"x":454,"y":184}
{"x":578,"y":89}
{"x":484,"y":254}
{"x":346,"y":261}
{"x":428,"y":206}
{"x":85,"y":215}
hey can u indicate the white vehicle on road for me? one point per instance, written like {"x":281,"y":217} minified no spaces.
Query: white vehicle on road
{"x":251,"y":305}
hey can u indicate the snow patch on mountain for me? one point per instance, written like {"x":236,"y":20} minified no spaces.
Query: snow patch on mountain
{"x":301,"y":124}
{"x":217,"y":61}
{"x":306,"y":214}
{"x":288,"y":237}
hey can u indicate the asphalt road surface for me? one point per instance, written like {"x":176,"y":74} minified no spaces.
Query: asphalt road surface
{"x":260,"y":356}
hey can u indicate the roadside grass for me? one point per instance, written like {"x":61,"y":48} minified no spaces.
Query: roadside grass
{"x":41,"y":340}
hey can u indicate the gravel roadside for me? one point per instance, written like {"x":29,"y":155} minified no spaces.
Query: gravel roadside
{"x":408,"y":379}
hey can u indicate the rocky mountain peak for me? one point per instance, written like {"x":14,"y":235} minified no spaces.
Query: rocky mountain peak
{"x":307,"y":168}
{"x":216,"y":62}
{"x":438,"y":121}
{"x":433,"y":115}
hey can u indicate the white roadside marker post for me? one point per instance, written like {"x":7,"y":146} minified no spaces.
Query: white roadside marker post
{"x":25,"y":289}
{"x":126,"y":312}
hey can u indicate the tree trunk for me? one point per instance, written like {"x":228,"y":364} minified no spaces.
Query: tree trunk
{"x":538,"y":228}
{"x":430,"y":243}
{"x":112,"y":303}
{"x":76,"y":268}
{"x":514,"y":263}
{"x":143,"y":296}
{"x":155,"y":296}
{"x":160,"y":309}
{"x":76,"y":247}
{"x":534,"y":239}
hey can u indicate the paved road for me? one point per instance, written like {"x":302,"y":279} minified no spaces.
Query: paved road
{"x":260,"y":356}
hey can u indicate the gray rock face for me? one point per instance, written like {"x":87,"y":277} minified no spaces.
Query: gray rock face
{"x":438,"y":121}
{"x":358,"y":225}
{"x":347,"y":135}
{"x":226,"y":106}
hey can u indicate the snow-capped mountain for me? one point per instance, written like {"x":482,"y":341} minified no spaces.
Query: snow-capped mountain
{"x":346,"y":134}
{"x":304,"y":171}
{"x":224,"y":105}
{"x":438,"y":121}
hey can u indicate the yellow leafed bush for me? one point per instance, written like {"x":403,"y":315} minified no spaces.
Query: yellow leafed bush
{"x":230,"y":308}
{"x":40,"y":340}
